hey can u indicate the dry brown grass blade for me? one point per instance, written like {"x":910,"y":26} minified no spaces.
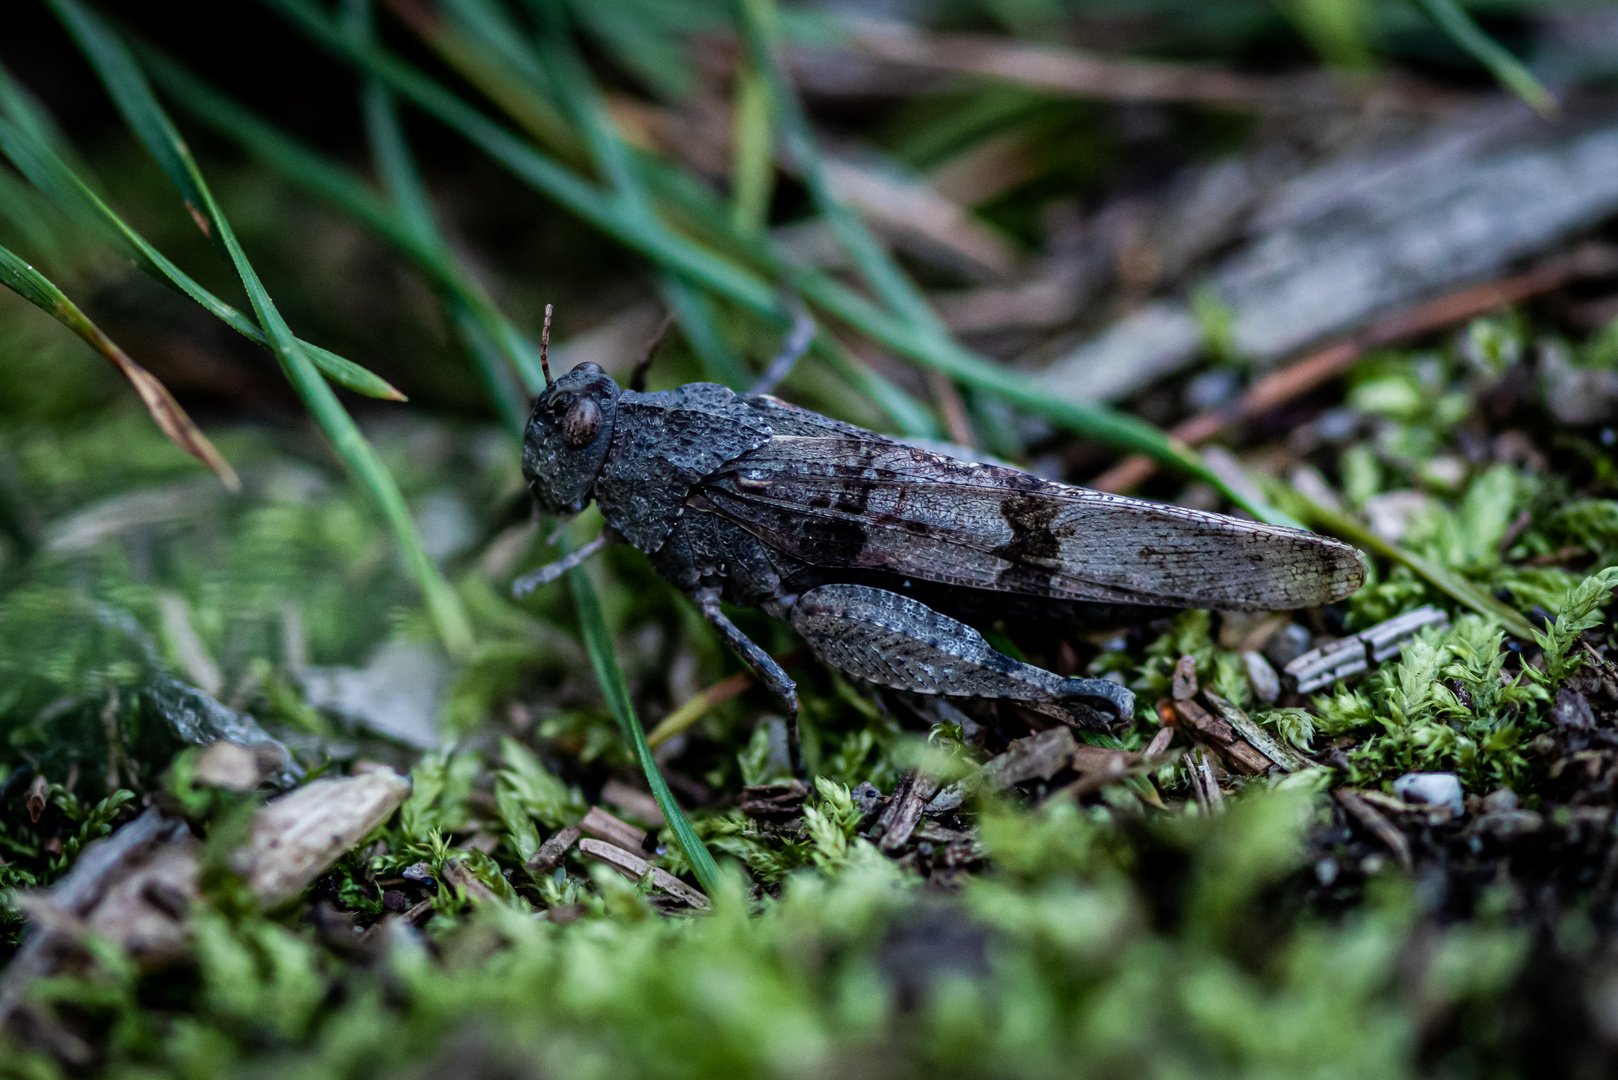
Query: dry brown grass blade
{"x":1323,"y":365}
{"x":168,"y":414}
{"x":39,"y":290}
{"x":1068,"y":71}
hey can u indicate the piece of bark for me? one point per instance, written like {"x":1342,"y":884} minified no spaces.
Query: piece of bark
{"x":1368,"y":816}
{"x":635,"y":868}
{"x":1261,"y":740}
{"x":1039,"y":756}
{"x":899,"y":820}
{"x":1220,"y":737}
{"x":1160,"y":742}
{"x":603,"y":826}
{"x":459,"y":875}
{"x":1374,"y":231}
{"x":553,"y":850}
{"x":74,"y":899}
{"x":296,"y":837}
{"x":781,"y":801}
{"x":633,"y":802}
{"x":1358,"y":652}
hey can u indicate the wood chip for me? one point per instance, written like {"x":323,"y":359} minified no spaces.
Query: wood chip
{"x":298,"y":836}
{"x":635,"y":868}
{"x":552,"y":851}
{"x":1261,"y":740}
{"x":1039,"y":756}
{"x":1367,"y":815}
{"x":635,"y":803}
{"x":603,"y":826}
{"x":899,"y":820}
{"x":1204,"y":785}
{"x":459,"y":875}
{"x":780,"y":801}
{"x":1219,"y":736}
{"x":1160,"y":742}
{"x":1351,"y":655}
{"x":1185,"y":679}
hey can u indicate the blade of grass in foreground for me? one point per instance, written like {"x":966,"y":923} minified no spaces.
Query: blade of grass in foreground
{"x":404,"y":183}
{"x":135,"y":100}
{"x":38,"y":290}
{"x":598,"y":643}
{"x":52,"y":176}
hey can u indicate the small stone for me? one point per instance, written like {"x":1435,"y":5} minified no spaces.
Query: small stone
{"x":1499,"y":801}
{"x":1432,"y":789}
{"x":228,"y":766}
{"x":1572,"y":711}
{"x":1265,"y":682}
{"x":394,"y":900}
{"x":1286,"y":645}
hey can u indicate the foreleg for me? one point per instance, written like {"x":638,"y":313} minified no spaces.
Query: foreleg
{"x":894,"y":641}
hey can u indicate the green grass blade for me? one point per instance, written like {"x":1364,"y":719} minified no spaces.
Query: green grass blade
{"x":346,"y":190}
{"x":1510,"y":71}
{"x":1445,"y":580}
{"x":757,"y":19}
{"x":136,"y":103}
{"x":730,"y":279}
{"x":135,"y":100}
{"x":49,"y":173}
{"x":752,"y":167}
{"x":598,"y":643}
{"x":37,"y":289}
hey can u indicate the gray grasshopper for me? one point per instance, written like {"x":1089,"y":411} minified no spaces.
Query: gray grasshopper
{"x":880,"y":553}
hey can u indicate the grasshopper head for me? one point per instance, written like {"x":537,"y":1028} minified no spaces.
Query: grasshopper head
{"x":567,"y":439}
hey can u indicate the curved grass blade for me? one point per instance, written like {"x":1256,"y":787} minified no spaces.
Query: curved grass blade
{"x":1440,"y":577}
{"x":1472,"y":39}
{"x":134,"y":98}
{"x":728,"y":278}
{"x":46,"y":170}
{"x":349,"y":192}
{"x":598,"y":643}
{"x":38,"y":290}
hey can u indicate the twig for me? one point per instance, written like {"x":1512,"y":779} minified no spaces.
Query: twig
{"x":1068,"y":71}
{"x":1368,"y":816}
{"x":1325,"y":364}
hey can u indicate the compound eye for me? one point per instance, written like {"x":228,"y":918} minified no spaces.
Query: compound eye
{"x":580,"y":424}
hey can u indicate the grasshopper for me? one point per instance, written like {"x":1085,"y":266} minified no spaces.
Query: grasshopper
{"x":881,"y":554}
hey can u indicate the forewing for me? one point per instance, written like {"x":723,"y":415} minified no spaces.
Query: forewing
{"x":837,"y":501}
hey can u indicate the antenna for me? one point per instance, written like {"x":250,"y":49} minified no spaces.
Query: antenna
{"x":637,"y":378}
{"x":544,"y":347}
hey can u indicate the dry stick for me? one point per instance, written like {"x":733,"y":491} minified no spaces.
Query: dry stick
{"x":1323,"y":365}
{"x":1069,"y":71}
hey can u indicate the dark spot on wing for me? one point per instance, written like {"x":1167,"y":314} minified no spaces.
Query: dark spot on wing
{"x":1032,"y":541}
{"x":854,"y":499}
{"x":820,"y":502}
{"x":829,"y":541}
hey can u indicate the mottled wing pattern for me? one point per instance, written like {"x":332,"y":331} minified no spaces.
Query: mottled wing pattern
{"x":875,"y":504}
{"x":663,"y":443}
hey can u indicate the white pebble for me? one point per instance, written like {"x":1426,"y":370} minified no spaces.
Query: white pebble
{"x":1432,"y":788}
